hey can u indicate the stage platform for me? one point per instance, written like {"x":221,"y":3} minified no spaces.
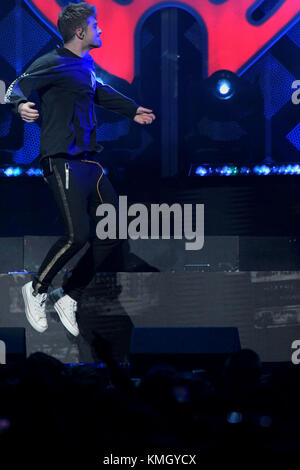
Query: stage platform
{"x":212,"y":290}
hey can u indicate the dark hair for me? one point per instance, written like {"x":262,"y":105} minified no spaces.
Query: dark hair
{"x":72,"y":17}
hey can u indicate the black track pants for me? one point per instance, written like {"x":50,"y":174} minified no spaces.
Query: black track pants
{"x":79,"y":186}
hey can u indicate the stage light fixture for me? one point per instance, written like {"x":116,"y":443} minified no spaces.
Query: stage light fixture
{"x":13,"y":171}
{"x":262,"y":169}
{"x":229,"y":127}
{"x":245,"y":171}
{"x":234,"y":417}
{"x":17,"y":171}
{"x":34,"y":172}
{"x":225,"y":89}
{"x":201,"y":171}
{"x":232,"y":170}
{"x":8,"y":172}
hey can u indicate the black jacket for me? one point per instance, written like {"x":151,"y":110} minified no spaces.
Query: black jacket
{"x":68,"y":90}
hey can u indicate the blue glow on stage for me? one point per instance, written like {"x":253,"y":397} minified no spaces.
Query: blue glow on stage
{"x":11,"y":171}
{"x":201,"y":171}
{"x":234,"y":417}
{"x":34,"y":172}
{"x":232,"y":170}
{"x":17,"y":171}
{"x":262,"y":170}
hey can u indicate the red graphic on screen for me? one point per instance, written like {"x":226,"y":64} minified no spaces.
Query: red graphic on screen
{"x":231,"y":38}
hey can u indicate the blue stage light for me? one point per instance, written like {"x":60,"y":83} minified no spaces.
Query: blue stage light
{"x":232,"y":170}
{"x":17,"y":272}
{"x":226,"y":170}
{"x":289,"y":169}
{"x":34,"y":172}
{"x":245,"y":171}
{"x":13,"y":171}
{"x":297,"y":169}
{"x":292,"y":169}
{"x":17,"y":171}
{"x":201,"y":171}
{"x":225,"y":89}
{"x":261,"y":169}
{"x":234,"y":417}
{"x":8,"y":171}
{"x":280,"y":170}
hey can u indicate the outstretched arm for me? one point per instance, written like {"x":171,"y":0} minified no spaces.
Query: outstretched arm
{"x":109,"y":98}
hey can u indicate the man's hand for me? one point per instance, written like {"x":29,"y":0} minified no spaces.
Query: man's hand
{"x":144,"y":116}
{"x":26,"y":113}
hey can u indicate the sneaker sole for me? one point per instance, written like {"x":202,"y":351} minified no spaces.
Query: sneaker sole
{"x":28,"y":314}
{"x":64,"y":321}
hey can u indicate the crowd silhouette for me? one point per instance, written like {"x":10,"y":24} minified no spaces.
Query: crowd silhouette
{"x":86,"y":412}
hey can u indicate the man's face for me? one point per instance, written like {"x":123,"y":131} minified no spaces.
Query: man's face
{"x":92,"y":33}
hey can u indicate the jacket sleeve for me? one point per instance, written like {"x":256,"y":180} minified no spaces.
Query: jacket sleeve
{"x":38,"y":75}
{"x":109,"y":98}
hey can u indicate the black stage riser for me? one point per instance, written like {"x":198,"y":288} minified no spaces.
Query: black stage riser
{"x":264,"y":306}
{"x":218,"y":254}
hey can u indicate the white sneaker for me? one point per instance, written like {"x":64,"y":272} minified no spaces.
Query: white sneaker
{"x":66,"y":308}
{"x":35,"y":308}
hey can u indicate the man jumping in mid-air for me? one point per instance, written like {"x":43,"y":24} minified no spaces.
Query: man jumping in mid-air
{"x":66,"y":82}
